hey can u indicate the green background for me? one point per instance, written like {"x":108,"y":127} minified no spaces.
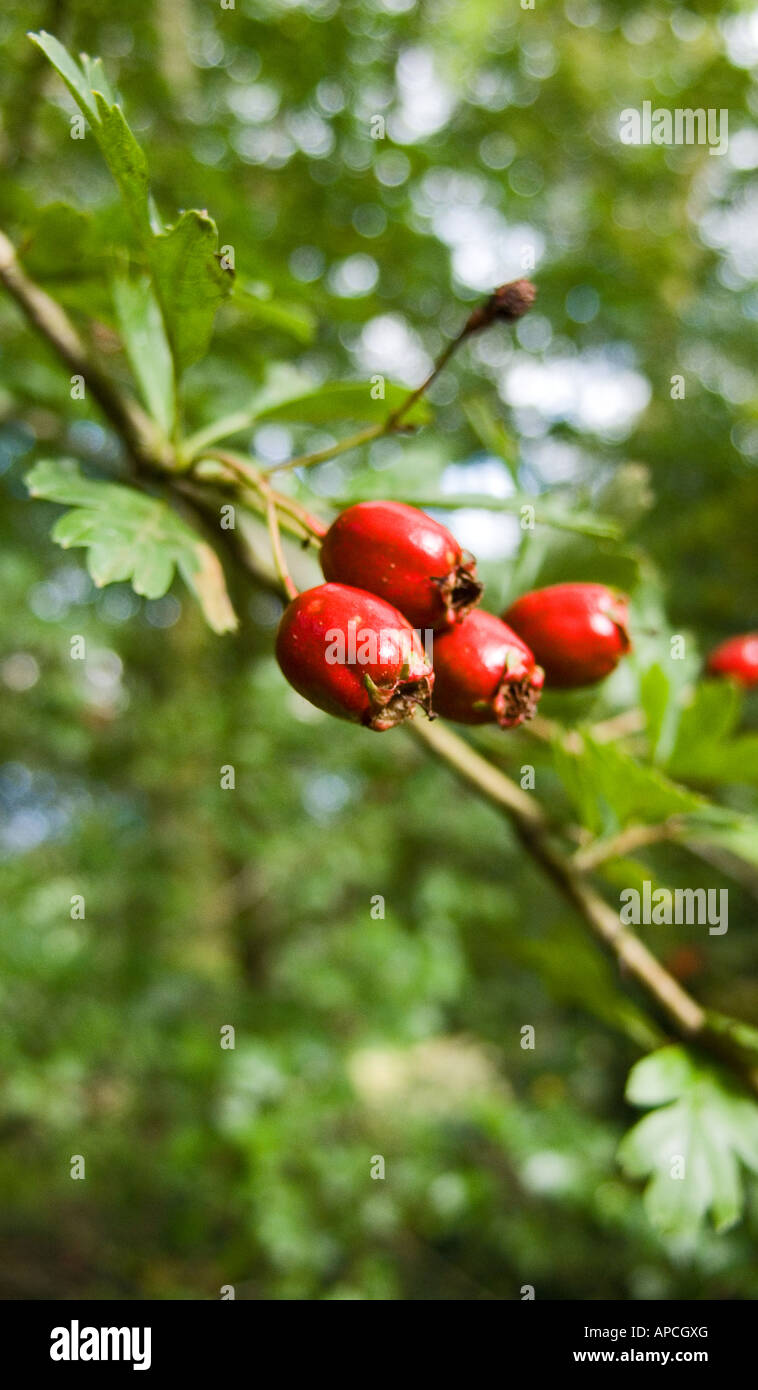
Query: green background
{"x":358,"y":1036}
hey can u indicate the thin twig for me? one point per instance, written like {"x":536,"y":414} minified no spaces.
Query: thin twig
{"x":634,"y":837}
{"x":277,"y":550}
{"x":246,"y":469}
{"x":507,"y":303}
{"x":394,"y":420}
{"x":332,"y":451}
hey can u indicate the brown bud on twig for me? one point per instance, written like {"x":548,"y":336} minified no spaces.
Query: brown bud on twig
{"x":508,"y":302}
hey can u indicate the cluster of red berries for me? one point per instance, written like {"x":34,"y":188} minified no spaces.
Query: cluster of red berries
{"x":353,"y":646}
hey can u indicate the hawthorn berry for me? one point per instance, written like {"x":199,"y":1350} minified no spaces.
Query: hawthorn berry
{"x":484,"y":673}
{"x":578,"y":632}
{"x":738,"y":658}
{"x":354,"y":656}
{"x":403,"y":555}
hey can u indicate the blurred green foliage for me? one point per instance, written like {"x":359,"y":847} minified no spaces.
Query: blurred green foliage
{"x":357,"y":1035}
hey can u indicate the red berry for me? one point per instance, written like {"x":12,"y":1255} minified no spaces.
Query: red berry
{"x":354,"y":656}
{"x":404,"y":556}
{"x":738,"y":658}
{"x":484,"y":673}
{"x":578,"y":632}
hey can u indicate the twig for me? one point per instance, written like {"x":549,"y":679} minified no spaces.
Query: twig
{"x":277,"y":550}
{"x":247,"y":470}
{"x":332,"y":450}
{"x":626,"y":842}
{"x":394,"y":420}
{"x":507,"y":303}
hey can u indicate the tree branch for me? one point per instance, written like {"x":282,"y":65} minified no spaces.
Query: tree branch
{"x":688,"y":1017}
{"x":135,"y":428}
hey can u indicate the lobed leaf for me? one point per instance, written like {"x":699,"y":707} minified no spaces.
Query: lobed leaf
{"x":132,"y":536}
{"x":690,"y":1149}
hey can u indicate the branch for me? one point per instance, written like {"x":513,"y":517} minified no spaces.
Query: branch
{"x":688,"y":1017}
{"x":626,"y":842}
{"x":135,"y":428}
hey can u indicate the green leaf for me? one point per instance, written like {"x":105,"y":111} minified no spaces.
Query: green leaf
{"x":711,"y":715}
{"x":141,"y":326}
{"x":97,"y":78}
{"x":727,"y":831}
{"x":492,"y":433}
{"x":602,"y":777}
{"x":691,"y":1147}
{"x":705,"y":750}
{"x":345,"y":400}
{"x":655,"y":690}
{"x":130,"y":535}
{"x":271,"y":312}
{"x":660,"y":1077}
{"x":117,"y":144}
{"x":126,"y":162}
{"x":73,"y":76}
{"x":190,"y":282}
{"x":578,"y":784}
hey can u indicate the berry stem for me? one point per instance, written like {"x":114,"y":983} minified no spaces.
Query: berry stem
{"x":256,"y":479}
{"x":273,"y":502}
{"x":507,"y":303}
{"x":277,"y":549}
{"x":393,"y":422}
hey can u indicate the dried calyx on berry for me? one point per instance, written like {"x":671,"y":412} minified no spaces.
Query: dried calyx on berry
{"x":404,"y":556}
{"x":737,"y":659}
{"x":578,"y":632}
{"x":354,"y":656}
{"x":507,"y":303}
{"x":484,"y":673}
